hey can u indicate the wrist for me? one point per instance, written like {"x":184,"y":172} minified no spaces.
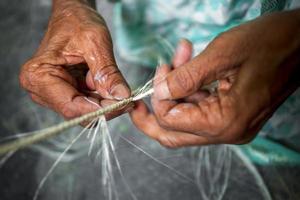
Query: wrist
{"x":71,"y":9}
{"x":68,"y":7}
{"x":61,"y":3}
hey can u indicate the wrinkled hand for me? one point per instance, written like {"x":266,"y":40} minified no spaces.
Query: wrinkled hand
{"x":257,"y":65}
{"x":74,"y":71}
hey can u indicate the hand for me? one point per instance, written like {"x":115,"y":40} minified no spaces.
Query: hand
{"x":73,"y":71}
{"x":257,"y":65}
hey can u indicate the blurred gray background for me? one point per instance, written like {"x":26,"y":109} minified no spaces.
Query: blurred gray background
{"x":223,"y":175}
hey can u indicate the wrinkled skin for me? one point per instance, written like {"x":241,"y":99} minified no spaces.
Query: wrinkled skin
{"x":257,"y":64}
{"x":73,"y":71}
{"x":258,"y":67}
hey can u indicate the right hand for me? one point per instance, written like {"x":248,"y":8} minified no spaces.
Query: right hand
{"x":75,"y":59}
{"x":256,"y":70}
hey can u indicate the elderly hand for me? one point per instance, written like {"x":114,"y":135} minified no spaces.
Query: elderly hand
{"x":257,"y":65}
{"x":74,"y":63}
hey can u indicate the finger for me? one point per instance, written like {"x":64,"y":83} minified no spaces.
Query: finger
{"x":146,"y":122}
{"x":73,"y":59}
{"x":210,"y":65}
{"x":183,"y":116}
{"x":55,"y":87}
{"x":182,"y":81}
{"x":183,"y":53}
{"x":77,"y":107}
{"x":106,"y":76}
{"x":207,"y":117}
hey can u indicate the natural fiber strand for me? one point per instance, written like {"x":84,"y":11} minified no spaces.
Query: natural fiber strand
{"x":43,"y":134}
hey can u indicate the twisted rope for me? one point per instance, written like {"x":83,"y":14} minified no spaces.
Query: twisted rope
{"x":39,"y":135}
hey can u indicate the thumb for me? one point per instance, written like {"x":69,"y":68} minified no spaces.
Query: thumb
{"x":183,"y":81}
{"x":106,"y":77}
{"x":107,"y":80}
{"x":202,"y":70}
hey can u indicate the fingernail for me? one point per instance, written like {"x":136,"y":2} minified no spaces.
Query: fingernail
{"x":120,"y":92}
{"x":161,"y":90}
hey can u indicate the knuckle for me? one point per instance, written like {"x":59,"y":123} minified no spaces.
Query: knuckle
{"x":23,"y":80}
{"x":163,"y":122}
{"x":185,"y":81}
{"x":97,"y":34}
{"x":109,"y":69}
{"x":106,"y":73}
{"x":220,"y":40}
{"x":45,"y":75}
{"x":25,"y":75}
{"x":167,"y":141}
{"x":66,"y":112}
{"x":226,"y":40}
{"x":90,"y":32}
{"x":31,"y":78}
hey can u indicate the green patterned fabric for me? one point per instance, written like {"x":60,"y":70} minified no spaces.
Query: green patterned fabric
{"x":145,"y":30}
{"x":269,"y":6}
{"x":148,"y":30}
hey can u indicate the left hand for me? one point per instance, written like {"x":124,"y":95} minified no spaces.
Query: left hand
{"x":74,"y":71}
{"x":257,"y":65}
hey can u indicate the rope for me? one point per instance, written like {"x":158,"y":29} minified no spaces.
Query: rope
{"x":39,"y":135}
